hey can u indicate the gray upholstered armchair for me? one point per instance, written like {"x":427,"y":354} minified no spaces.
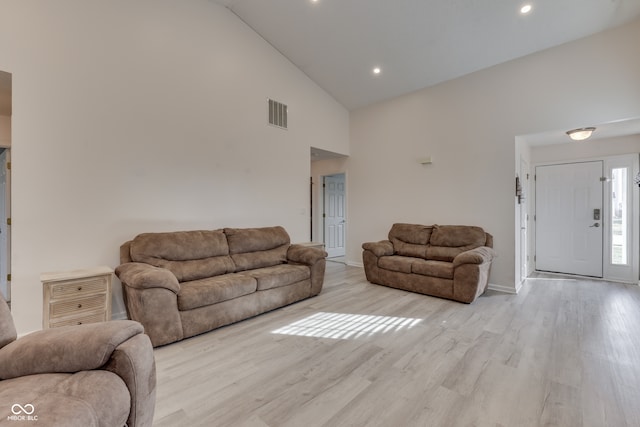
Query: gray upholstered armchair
{"x":99,"y":374}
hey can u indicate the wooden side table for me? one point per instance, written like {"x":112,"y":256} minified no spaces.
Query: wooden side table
{"x":76,"y":297}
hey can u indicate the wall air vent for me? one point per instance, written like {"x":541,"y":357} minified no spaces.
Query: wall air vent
{"x":277,"y":114}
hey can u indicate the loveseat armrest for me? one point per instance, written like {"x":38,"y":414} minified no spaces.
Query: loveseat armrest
{"x":478,"y":255}
{"x":381,"y":248}
{"x":306,"y":255}
{"x":66,"y":349}
{"x":144,"y":276}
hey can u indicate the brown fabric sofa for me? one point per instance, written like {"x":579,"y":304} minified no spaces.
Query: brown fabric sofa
{"x":98,"y":374}
{"x":180,"y":284}
{"x":447,"y":261}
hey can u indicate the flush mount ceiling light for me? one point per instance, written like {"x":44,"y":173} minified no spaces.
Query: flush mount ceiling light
{"x":580,"y":134}
{"x":377,"y":70}
{"x":525,"y":9}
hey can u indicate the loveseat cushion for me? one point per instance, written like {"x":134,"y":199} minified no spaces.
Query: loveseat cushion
{"x":87,"y":398}
{"x":189,"y":255}
{"x":447,"y":241}
{"x":396,"y":263}
{"x":252,"y":248}
{"x":440,"y":269}
{"x":410,"y":239}
{"x":279,"y":275}
{"x":212,"y":290}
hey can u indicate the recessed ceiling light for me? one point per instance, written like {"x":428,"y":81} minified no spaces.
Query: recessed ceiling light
{"x":377,"y":70}
{"x":525,"y":9}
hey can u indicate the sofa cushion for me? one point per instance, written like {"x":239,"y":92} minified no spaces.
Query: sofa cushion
{"x":396,"y":263}
{"x":279,"y":275}
{"x":440,"y":269}
{"x":189,"y":255}
{"x":252,"y":248}
{"x":212,"y":290}
{"x":447,"y":241}
{"x":86,"y":398}
{"x":410,"y":239}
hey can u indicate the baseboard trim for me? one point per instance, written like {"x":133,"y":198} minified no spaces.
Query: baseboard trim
{"x":504,"y":289}
{"x":355,"y":264}
{"x":121,"y":315}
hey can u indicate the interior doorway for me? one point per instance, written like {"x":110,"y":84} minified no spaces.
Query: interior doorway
{"x":334,"y":215}
{"x":5,"y":183}
{"x":5,"y":222}
{"x":523,"y":202}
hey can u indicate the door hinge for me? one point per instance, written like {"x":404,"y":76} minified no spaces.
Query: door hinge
{"x":8,"y":221}
{"x":9,"y":277}
{"x":527,"y":176}
{"x":8,"y":165}
{"x":534,"y":257}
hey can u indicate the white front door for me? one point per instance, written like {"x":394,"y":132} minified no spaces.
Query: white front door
{"x":569,"y":218}
{"x":334,"y":215}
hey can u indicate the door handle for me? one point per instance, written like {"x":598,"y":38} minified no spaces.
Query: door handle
{"x":596,"y":225}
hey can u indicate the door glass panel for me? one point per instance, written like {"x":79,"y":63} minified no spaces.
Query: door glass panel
{"x":619,"y":217}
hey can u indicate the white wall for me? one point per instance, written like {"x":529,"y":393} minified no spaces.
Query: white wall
{"x":469,"y":126}
{"x":142,"y":116}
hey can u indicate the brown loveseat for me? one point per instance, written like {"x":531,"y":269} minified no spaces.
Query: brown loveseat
{"x":180,"y":284}
{"x":448,"y":261}
{"x":98,"y":374}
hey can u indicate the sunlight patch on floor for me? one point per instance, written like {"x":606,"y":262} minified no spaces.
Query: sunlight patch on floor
{"x":346,"y":326}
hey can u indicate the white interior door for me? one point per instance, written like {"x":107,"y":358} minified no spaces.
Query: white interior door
{"x":569,"y":218}
{"x":5,"y":240}
{"x":334,"y":215}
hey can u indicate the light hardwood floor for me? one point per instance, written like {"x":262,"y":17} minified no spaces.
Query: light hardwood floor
{"x":563,"y":352}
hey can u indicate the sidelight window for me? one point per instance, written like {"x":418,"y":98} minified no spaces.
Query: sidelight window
{"x":619,"y":216}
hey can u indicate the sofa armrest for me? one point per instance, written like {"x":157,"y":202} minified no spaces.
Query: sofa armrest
{"x":478,"y":255}
{"x":381,"y":248}
{"x":305,"y":255}
{"x":66,"y":349}
{"x":144,"y":276}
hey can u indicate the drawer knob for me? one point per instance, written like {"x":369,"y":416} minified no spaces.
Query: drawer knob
{"x":79,"y":305}
{"x":79,"y":288}
{"x":79,"y":323}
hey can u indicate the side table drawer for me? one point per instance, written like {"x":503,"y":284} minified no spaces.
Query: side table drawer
{"x":72,"y":306}
{"x":90,"y":318}
{"x":79,"y":287}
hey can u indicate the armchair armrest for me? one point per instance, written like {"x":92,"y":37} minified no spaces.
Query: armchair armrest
{"x":381,"y":248}
{"x":134,"y":362}
{"x":144,"y":276}
{"x":478,"y":255}
{"x":66,"y":349}
{"x":305,"y":255}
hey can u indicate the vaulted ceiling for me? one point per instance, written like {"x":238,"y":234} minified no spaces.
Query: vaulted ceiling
{"x":416,"y":43}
